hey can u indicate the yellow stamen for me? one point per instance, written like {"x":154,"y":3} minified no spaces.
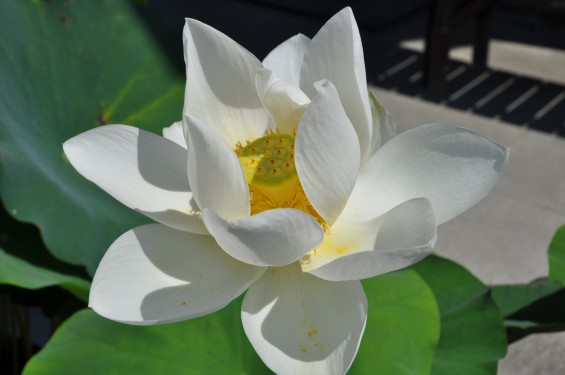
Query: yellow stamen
{"x":268,"y":164}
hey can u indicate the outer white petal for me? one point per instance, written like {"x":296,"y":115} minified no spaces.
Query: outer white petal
{"x":286,"y":59}
{"x":327,"y":154}
{"x":175,"y":134}
{"x":453,"y":167}
{"x":359,"y":250}
{"x":271,"y":238}
{"x":220,"y":88}
{"x":336,"y":54}
{"x":284,"y":102}
{"x":299,"y":324}
{"x":153,"y":274}
{"x":215,"y":173}
{"x":142,"y":170}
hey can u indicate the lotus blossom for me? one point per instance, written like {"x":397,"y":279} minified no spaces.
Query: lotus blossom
{"x":283,"y":179}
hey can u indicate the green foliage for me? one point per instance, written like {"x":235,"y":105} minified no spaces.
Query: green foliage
{"x":531,"y":308}
{"x":400,"y":338}
{"x":65,"y":67}
{"x":17,"y":272}
{"x":89,"y":344}
{"x":23,"y":240}
{"x":556,"y":257}
{"x":472,"y":337}
{"x":540,"y":305}
{"x":402,"y":327}
{"x":512,"y":298}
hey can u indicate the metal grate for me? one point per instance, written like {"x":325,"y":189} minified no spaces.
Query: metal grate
{"x":509,"y":97}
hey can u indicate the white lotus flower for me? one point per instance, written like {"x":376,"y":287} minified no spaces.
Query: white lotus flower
{"x":293,"y":195}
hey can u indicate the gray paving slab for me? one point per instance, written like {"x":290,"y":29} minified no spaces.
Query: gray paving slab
{"x":540,"y":354}
{"x":536,"y":171}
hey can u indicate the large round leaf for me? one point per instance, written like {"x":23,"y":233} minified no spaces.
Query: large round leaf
{"x":472,"y":332}
{"x":89,"y":344}
{"x":65,"y":67}
{"x":402,"y":327}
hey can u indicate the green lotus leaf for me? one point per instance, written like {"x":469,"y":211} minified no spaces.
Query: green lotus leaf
{"x":402,"y":329}
{"x":89,"y":344}
{"x":472,"y":335}
{"x":66,"y":67}
{"x":18,"y":272}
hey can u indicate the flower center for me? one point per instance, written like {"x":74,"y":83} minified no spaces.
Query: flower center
{"x":268,"y":164}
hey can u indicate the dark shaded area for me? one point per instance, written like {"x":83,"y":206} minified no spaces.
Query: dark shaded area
{"x":29,"y":317}
{"x":24,"y":241}
{"x":260,"y":25}
{"x":545,"y":315}
{"x":446,"y":16}
{"x":511,"y":98}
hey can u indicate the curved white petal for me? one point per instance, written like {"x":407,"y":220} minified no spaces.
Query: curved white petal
{"x":214,"y":171}
{"x":175,"y":134}
{"x":359,"y":250}
{"x":142,"y":170}
{"x":300,"y":324}
{"x":286,"y":58}
{"x":336,"y":54}
{"x":153,"y":274}
{"x":271,"y":238}
{"x":327,"y":153}
{"x":384,"y":128}
{"x":220,"y":88}
{"x":453,"y":167}
{"x":284,"y":102}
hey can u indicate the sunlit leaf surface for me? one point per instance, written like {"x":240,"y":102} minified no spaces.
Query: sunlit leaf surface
{"x":402,"y":328}
{"x":472,"y":332}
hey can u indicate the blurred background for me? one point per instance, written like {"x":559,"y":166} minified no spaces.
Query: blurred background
{"x":497,"y":67}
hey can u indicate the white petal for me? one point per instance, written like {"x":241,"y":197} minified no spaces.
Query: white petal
{"x":220,"y":87}
{"x":359,"y":250}
{"x":175,"y":134}
{"x":284,"y":102}
{"x":214,"y":171}
{"x":384,"y":128}
{"x":286,"y":59}
{"x":299,"y":324}
{"x":453,"y":167}
{"x":153,"y":274}
{"x":336,"y":54}
{"x":142,"y":170}
{"x":327,"y":154}
{"x":271,"y":238}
